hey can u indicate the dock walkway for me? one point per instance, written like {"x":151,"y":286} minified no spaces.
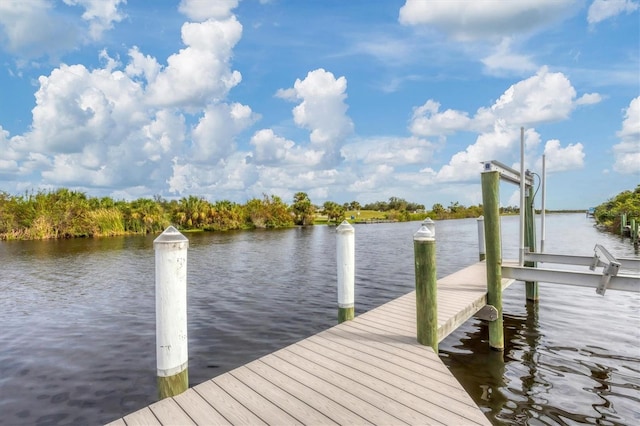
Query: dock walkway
{"x":370,"y":370}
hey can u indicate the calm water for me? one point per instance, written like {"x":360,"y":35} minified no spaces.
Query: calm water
{"x":77,"y":344}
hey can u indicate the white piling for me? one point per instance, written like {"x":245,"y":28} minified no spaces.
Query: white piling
{"x":345,"y":253}
{"x":171,"y":312}
{"x":481,"y":244}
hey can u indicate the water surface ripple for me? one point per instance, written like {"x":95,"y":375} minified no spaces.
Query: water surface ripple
{"x":78,"y":322}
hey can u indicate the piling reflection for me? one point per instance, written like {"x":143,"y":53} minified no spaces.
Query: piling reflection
{"x":482,"y":368}
{"x":505,"y":394}
{"x":535,"y":381}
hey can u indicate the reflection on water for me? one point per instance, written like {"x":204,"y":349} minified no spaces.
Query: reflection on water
{"x":78,"y":322}
{"x":572,"y":358}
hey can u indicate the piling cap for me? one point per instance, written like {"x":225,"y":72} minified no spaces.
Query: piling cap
{"x":345,"y":227}
{"x":424,"y":234}
{"x":430,"y":225}
{"x":170,"y":236}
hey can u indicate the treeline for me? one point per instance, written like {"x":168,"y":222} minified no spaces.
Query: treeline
{"x":608,"y":214}
{"x":394,"y":203}
{"x":65,"y":213}
{"x":455,"y":210}
{"x":68,"y":214}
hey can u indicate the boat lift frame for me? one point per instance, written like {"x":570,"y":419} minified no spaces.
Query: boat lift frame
{"x":609,"y":278}
{"x":512,"y":176}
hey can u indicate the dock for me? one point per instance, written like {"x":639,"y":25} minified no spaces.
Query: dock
{"x":369,"y":370}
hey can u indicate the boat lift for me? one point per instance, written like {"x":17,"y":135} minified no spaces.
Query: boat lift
{"x":609,"y":278}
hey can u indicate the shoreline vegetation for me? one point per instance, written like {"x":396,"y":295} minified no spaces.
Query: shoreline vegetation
{"x":608,"y":215}
{"x":65,"y":213}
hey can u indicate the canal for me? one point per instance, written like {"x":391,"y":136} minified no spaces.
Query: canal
{"x":78,"y":324}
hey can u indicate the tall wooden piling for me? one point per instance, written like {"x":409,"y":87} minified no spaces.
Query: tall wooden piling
{"x":171,"y":312}
{"x":530,"y":243}
{"x":424,"y":245}
{"x":491,"y":209}
{"x":345,"y":254}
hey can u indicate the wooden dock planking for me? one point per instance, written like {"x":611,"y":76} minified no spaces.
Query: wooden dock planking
{"x":302,"y":392}
{"x":170,"y":413}
{"x":370,"y":391}
{"x":142,"y":417}
{"x":389,"y":362}
{"x":423,"y":399}
{"x":369,"y":370}
{"x":199,"y":409}
{"x":233,"y":410}
{"x":364,"y":409}
{"x":296,"y":408}
{"x":254,"y":401}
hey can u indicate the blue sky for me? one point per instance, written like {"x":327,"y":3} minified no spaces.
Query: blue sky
{"x":345,"y":100}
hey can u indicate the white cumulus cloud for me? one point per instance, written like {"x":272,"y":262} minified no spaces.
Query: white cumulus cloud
{"x":427,"y":120}
{"x":503,"y":60}
{"x":482,"y":19}
{"x":601,"y":10}
{"x":495,"y":145}
{"x":201,"y":72}
{"x":214,"y":135}
{"x":544,"y":97}
{"x":541,"y":98}
{"x":389,"y":150}
{"x":273,"y":150}
{"x":100,"y":14}
{"x":201,"y":10}
{"x":627,"y":152}
{"x":589,"y":99}
{"x":559,"y":159}
{"x":322,"y":111}
{"x":30,"y":29}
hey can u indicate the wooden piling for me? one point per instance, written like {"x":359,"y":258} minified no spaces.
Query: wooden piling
{"x":530,"y":242}
{"x":171,"y":312}
{"x":424,"y":245}
{"x":491,"y":209}
{"x":345,"y":254}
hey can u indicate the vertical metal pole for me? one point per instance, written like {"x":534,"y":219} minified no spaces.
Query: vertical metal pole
{"x":522,"y":205}
{"x":544,"y":202}
{"x":172,"y":353}
{"x":531,"y":287}
{"x":491,"y":206}
{"x":424,"y":246}
{"x":481,"y":245}
{"x":345,"y":252}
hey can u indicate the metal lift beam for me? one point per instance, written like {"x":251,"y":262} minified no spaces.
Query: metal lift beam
{"x":506,"y":173}
{"x":610,"y":277}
